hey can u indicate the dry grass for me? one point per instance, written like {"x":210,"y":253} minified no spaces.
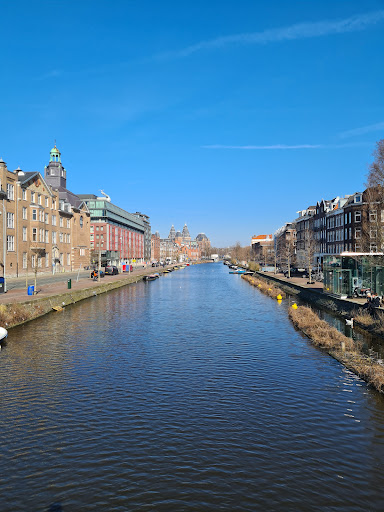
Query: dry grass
{"x":363,"y":317}
{"x":13,"y":314}
{"x":263,"y":286}
{"x":331,"y":340}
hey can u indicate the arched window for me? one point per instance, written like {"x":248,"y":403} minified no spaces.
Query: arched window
{"x":81,"y":221}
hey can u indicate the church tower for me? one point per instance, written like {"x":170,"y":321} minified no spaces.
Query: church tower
{"x":185,"y":234}
{"x":172,"y":233}
{"x":55,"y":174}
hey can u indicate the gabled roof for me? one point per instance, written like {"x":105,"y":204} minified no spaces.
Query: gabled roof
{"x":28,"y":177}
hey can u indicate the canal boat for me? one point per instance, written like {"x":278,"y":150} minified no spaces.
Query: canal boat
{"x":151,"y":277}
{"x":3,"y":334}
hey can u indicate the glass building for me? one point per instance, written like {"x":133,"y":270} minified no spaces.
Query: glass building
{"x":345,"y":273}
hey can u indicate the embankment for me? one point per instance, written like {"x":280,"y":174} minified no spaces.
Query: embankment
{"x":342,"y":348}
{"x":14,"y":314}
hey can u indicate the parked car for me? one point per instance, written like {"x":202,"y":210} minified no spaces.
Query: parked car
{"x":111,"y":270}
{"x":296,"y":272}
{"x":95,"y":272}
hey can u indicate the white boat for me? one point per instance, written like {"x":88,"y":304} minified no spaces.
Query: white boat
{"x":3,"y":333}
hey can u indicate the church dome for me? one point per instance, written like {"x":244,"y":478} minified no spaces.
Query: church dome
{"x":178,"y":234}
{"x":55,"y":150}
{"x":201,"y":236}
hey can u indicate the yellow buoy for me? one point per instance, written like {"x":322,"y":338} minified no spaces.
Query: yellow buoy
{"x":269,"y":289}
{"x":294,"y":305}
{"x":279,"y":301}
{"x":279,"y":297}
{"x":259,"y":285}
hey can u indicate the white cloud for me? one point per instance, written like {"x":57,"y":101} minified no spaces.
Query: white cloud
{"x":297,"y":31}
{"x":362,"y":130}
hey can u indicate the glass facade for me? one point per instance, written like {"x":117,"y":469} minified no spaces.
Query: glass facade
{"x":344,"y":274}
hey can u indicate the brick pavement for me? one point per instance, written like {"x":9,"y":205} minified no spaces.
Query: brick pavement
{"x":48,"y":290}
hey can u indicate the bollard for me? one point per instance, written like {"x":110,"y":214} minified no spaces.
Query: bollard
{"x":69,"y":284}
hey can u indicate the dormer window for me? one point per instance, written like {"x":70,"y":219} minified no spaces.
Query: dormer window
{"x":358,"y":199}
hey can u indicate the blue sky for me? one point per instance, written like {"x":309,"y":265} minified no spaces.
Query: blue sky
{"x":228,"y":115}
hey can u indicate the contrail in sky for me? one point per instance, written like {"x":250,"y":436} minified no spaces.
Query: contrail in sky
{"x":361,"y":131}
{"x":287,"y":146}
{"x":297,"y":31}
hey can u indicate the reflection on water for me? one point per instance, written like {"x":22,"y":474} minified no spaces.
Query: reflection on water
{"x":193,"y":392}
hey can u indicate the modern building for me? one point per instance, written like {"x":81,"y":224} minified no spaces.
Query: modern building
{"x":147,"y":235}
{"x":117,"y":236}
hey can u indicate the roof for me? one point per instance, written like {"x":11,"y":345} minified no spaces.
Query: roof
{"x":261,"y":237}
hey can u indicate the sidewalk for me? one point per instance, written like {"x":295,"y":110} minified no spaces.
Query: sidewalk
{"x":303,"y":283}
{"x":19,"y":295}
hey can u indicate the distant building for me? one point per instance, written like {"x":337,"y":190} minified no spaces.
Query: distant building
{"x":262,"y":249}
{"x":155,"y":247}
{"x":179,"y":246}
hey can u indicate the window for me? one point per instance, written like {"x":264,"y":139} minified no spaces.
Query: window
{"x":24,"y":260}
{"x":41,"y":235}
{"x":358,"y":199}
{"x":68,"y":223}
{"x":357,"y":233}
{"x":41,"y":215}
{"x":68,"y":258}
{"x":34,"y":214}
{"x":346,"y":218}
{"x":10,"y":220}
{"x":61,"y":222}
{"x":61,"y":258}
{"x":24,"y":234}
{"x":39,"y":262}
{"x":46,"y":259}
{"x":350,"y":217}
{"x":33,"y":260}
{"x":82,"y":252}
{"x":25,"y":214}
{"x":10,"y":243}
{"x":68,"y":239}
{"x":97,"y":228}
{"x":34,"y":234}
{"x":53,"y":220}
{"x":373,"y":233}
{"x":32,"y":197}
{"x":10,"y":191}
{"x":39,"y":198}
{"x":25,"y":198}
{"x":46,"y":202}
{"x":60,"y":236}
{"x":54,"y":238}
{"x":82,"y":221}
{"x":372,"y":216}
{"x":357,"y":216}
{"x":372,"y":247}
{"x":46,"y":235}
{"x":46,"y":218}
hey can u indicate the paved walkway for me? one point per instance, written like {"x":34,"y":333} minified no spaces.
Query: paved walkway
{"x":57,"y":288}
{"x":303,"y":282}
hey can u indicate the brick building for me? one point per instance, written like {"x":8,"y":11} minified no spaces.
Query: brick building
{"x":41,"y":230}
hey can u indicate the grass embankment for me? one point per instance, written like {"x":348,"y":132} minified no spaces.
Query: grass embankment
{"x":373,"y":323}
{"x":344,"y":349}
{"x":265,"y":287}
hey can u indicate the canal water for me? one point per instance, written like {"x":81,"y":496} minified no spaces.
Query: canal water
{"x":189,"y":393}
